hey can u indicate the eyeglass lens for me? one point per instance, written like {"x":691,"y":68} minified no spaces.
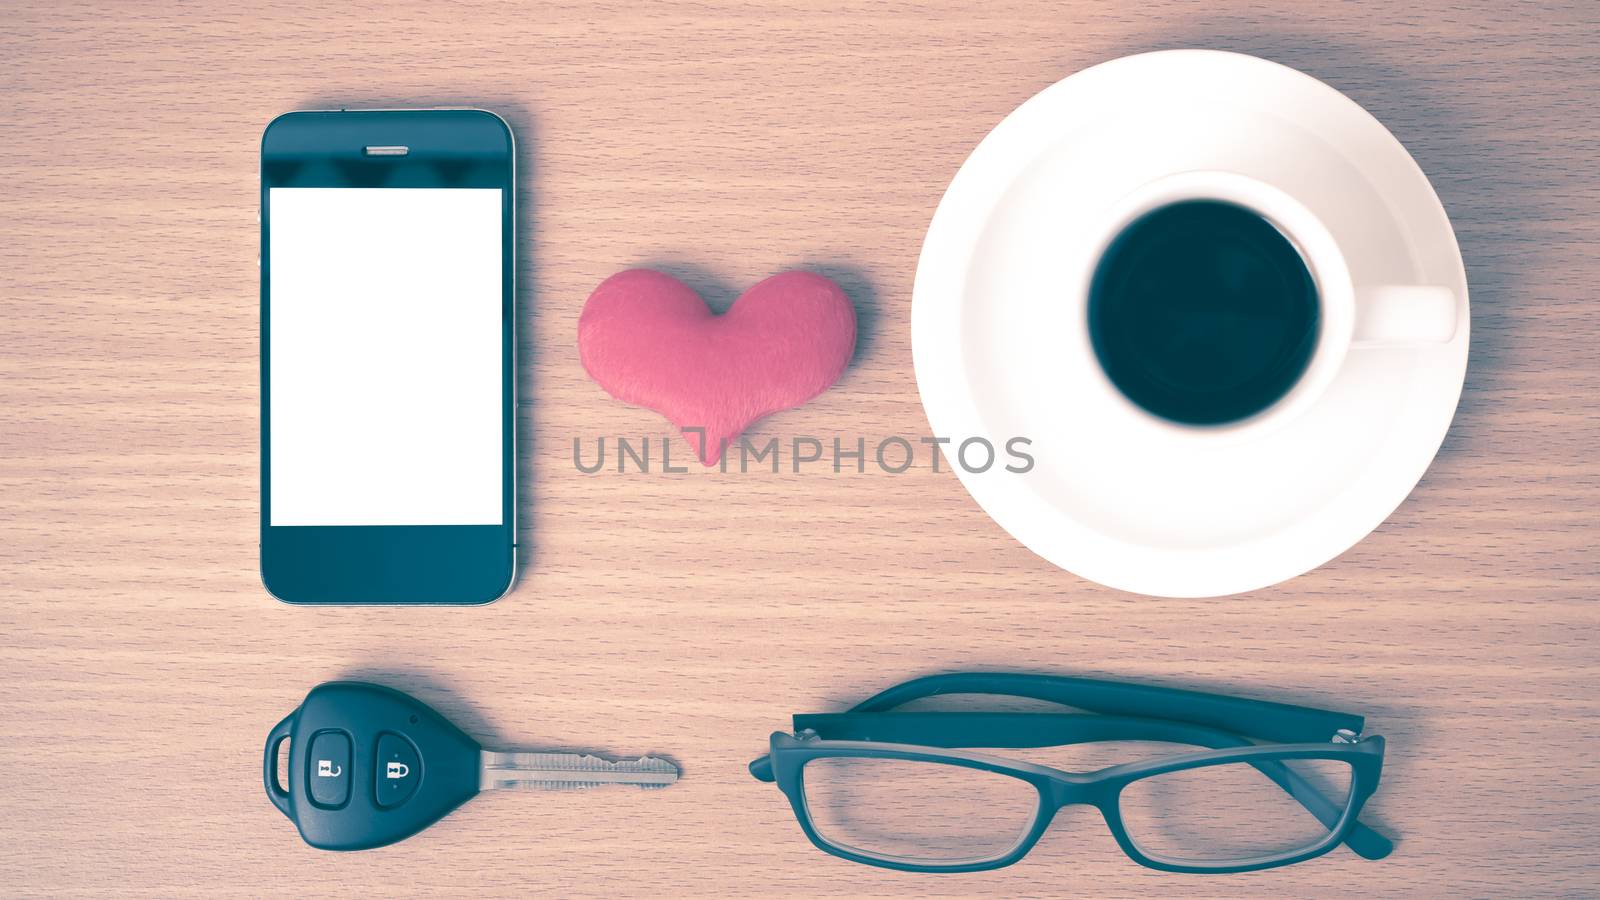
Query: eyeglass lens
{"x":1235,"y":812}
{"x":911,"y":811}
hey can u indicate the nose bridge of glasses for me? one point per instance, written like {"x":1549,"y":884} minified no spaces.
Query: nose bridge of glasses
{"x":1072,"y":788}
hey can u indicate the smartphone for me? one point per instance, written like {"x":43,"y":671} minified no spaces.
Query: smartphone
{"x":388,"y":255}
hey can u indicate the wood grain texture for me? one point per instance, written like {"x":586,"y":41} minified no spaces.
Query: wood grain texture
{"x":141,"y":663}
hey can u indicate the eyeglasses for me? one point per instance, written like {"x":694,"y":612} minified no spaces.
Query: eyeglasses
{"x":889,"y":788}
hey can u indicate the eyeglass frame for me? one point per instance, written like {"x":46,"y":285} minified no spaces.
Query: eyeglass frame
{"x":1170,"y":715}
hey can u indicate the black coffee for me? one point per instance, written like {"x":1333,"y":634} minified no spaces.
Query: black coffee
{"x":1203,"y":313}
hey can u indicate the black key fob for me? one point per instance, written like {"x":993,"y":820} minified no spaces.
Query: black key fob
{"x":368,"y":766}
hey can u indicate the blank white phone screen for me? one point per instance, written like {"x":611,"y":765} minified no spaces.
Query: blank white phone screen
{"x":384,"y":358}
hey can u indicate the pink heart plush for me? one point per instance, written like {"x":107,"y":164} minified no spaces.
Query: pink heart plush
{"x":649,"y":340}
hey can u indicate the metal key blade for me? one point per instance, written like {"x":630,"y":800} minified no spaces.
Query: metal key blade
{"x":569,"y":771}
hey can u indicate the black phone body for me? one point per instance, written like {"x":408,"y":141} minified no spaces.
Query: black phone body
{"x":388,"y":444}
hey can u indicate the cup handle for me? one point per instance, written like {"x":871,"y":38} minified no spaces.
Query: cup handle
{"x":1405,"y":314}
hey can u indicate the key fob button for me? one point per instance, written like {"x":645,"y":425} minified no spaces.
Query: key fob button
{"x":397,"y":770}
{"x":328,"y":769}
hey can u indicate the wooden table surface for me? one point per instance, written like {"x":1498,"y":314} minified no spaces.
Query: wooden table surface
{"x":141,"y":663}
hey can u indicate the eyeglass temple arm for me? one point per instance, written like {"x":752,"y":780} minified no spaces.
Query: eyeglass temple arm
{"x":1278,"y":722}
{"x":1019,"y":730}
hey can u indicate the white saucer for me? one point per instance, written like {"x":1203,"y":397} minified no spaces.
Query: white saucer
{"x":1124,"y":506}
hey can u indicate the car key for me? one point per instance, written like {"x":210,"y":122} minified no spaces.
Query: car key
{"x":369,"y":766}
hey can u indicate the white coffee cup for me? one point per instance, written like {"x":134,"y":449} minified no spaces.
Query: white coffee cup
{"x":1351,"y":316}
